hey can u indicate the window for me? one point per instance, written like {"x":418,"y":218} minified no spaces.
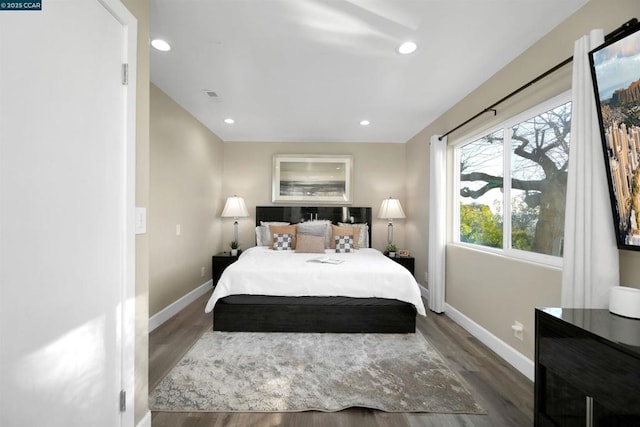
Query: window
{"x":511,"y":184}
{"x":481,"y":178}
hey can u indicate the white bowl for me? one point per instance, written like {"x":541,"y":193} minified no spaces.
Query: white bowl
{"x":625,"y":301}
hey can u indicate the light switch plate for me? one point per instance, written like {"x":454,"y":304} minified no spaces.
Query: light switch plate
{"x":141,"y":220}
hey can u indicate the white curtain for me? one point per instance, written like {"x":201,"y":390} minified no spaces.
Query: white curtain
{"x":437,"y":222}
{"x":590,"y":266}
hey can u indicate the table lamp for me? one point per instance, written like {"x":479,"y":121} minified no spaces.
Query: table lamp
{"x":235,"y":208}
{"x":391,"y":209}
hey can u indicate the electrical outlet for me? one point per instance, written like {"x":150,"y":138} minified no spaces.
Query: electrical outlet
{"x":178,"y":230}
{"x":518,"y":330}
{"x":201,"y":271}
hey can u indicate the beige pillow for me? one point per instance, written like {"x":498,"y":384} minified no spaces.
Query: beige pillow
{"x":317,"y":228}
{"x":283,"y":229}
{"x":363,"y":242}
{"x":345,"y":231}
{"x":310,"y":244}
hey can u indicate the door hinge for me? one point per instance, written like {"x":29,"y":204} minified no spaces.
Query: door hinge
{"x":123,"y":400}
{"x":125,"y":74}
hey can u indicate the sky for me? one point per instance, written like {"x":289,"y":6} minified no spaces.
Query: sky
{"x":617,"y":65}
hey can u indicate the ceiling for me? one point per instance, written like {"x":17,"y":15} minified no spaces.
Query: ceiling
{"x":311,"y":70}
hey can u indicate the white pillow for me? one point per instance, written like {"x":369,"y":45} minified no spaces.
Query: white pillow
{"x":363,"y":240}
{"x":263,"y":236}
{"x":317,"y":228}
{"x":329,"y":234}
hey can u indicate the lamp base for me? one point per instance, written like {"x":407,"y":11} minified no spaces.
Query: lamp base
{"x":235,"y":231}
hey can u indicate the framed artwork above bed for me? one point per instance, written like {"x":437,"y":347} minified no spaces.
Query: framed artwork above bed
{"x":312,"y":178}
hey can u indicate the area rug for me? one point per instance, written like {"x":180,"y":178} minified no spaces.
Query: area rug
{"x":291,"y":372}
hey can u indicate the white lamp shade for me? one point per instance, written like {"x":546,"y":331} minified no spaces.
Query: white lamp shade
{"x":235,"y":208}
{"x":391,"y":209}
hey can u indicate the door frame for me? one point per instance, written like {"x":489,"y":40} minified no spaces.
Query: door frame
{"x":127,"y":327}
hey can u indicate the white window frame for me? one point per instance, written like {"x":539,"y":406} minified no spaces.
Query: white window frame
{"x":506,"y":250}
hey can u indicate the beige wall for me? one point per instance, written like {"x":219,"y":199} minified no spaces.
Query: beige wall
{"x":492,"y":290}
{"x":417,"y":205}
{"x":186,"y":183}
{"x":379,"y":172}
{"x":140,"y":9}
{"x":630,"y":269}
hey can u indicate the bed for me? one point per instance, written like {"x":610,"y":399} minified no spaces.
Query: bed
{"x":285,"y":291}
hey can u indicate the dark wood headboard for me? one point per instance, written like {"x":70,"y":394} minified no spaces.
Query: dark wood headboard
{"x":296,"y":214}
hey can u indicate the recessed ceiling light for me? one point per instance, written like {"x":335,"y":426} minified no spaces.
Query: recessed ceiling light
{"x":407,"y":47}
{"x":229,"y":121}
{"x":365,"y":122}
{"x":161,"y":45}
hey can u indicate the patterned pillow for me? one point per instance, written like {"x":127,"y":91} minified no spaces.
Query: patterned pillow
{"x":363,"y":241}
{"x":282,"y":242}
{"x":345,"y":231}
{"x":265,"y":234}
{"x":343,"y":244}
{"x":283,"y":229}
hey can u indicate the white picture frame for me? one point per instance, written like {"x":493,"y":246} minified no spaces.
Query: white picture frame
{"x":317,"y":179}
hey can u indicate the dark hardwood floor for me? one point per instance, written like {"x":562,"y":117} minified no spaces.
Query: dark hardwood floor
{"x":501,"y":390}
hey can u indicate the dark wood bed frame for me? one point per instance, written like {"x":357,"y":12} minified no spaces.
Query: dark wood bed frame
{"x":311,"y":314}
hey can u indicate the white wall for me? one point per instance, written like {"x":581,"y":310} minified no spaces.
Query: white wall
{"x":140,"y":9}
{"x":66,"y":191}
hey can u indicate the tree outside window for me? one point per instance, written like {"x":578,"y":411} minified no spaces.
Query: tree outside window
{"x":537,"y":151}
{"x":481,"y":185}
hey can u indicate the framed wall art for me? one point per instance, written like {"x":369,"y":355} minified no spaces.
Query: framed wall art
{"x":303,"y":178}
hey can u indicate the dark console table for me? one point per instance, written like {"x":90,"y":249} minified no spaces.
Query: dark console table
{"x":587,"y":368}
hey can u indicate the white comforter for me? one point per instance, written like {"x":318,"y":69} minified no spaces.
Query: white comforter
{"x":365,"y":273}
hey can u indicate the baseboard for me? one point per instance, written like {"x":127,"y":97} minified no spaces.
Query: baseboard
{"x":504,"y":350}
{"x":424,"y":292}
{"x":145,"y":421}
{"x":174,"y":308}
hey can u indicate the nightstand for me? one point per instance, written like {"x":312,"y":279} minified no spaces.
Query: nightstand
{"x":407,"y":262}
{"x":219,"y":262}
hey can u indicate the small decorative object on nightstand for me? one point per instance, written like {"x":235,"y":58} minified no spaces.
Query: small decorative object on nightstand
{"x":234,"y":248}
{"x":219,"y":262}
{"x":391,"y":250}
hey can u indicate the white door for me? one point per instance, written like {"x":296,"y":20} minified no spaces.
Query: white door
{"x":64,"y":215}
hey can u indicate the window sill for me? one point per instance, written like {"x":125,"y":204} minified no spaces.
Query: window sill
{"x":546,"y":261}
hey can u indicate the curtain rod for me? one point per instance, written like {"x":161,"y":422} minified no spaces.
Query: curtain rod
{"x":624,"y":28}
